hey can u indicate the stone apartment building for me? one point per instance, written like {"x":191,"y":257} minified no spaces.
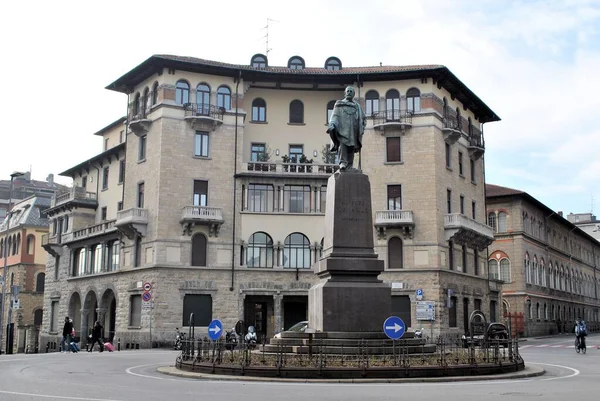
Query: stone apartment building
{"x":222,"y":172}
{"x":24,"y":187}
{"x":548,"y":265}
{"x":21,"y":238}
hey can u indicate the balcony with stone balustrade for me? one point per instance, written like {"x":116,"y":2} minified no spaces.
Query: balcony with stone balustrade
{"x":132,"y":222}
{"x":204,"y":216}
{"x":394,"y":219}
{"x":74,"y":197}
{"x":463,"y":230}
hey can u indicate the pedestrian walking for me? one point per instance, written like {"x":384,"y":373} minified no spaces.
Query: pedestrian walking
{"x":97,"y":337}
{"x":66,"y":334}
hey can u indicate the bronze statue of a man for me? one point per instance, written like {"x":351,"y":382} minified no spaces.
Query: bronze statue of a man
{"x":346,"y":128}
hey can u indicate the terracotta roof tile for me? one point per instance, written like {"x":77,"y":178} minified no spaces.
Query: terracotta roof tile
{"x":497,"y":190}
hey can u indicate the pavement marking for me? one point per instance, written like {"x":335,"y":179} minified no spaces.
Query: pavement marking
{"x":129,"y":371}
{"x":57,"y":397}
{"x":575,"y":371}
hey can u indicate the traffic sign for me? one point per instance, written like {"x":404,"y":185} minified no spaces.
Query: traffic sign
{"x":394,"y":327}
{"x":147,"y":286}
{"x":215,"y":329}
{"x":146,"y":297}
{"x":419,"y":294}
{"x":425,"y":310}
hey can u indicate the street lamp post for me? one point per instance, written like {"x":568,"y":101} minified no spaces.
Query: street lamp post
{"x":5,"y":267}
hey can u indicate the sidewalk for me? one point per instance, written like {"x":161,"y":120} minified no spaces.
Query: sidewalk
{"x":529,"y":371}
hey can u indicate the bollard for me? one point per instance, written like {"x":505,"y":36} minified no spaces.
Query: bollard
{"x":47,"y":346}
{"x":118,"y":344}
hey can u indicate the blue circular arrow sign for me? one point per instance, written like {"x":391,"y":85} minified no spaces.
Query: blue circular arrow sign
{"x":394,"y":327}
{"x":215,"y":329}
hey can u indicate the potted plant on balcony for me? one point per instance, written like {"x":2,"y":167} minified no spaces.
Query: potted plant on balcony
{"x":263,"y":159}
{"x":303,"y":161}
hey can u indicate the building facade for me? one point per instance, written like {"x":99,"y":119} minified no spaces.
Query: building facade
{"x":21,"y":239}
{"x":587,"y":222}
{"x":548,"y":265}
{"x":24,"y":187}
{"x":223,"y":198}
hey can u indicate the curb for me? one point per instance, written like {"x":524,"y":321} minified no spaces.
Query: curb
{"x":529,"y":371}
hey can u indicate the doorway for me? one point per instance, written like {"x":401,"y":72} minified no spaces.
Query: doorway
{"x":258,"y":312}
{"x":466,"y":315}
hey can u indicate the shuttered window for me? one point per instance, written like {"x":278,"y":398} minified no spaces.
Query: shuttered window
{"x":393,"y":148}
{"x":395,"y":253}
{"x":198,"y":250}
{"x":296,"y":112}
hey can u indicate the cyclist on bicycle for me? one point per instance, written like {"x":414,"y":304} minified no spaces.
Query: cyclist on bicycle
{"x":580,"y":332}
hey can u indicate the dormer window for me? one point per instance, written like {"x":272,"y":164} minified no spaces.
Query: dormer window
{"x":333,"y":64}
{"x":259,"y":61}
{"x":296,"y":63}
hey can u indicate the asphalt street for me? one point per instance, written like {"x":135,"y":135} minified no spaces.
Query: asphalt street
{"x":132,"y":375}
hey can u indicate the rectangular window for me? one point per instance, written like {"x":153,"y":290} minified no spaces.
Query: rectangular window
{"x":475,"y":262}
{"x":56,"y":268}
{"x":200,"y":193}
{"x":200,"y":305}
{"x":260,"y":198}
{"x":135,"y":310}
{"x":323,"y":198}
{"x":142,"y":148}
{"x":473,"y":210}
{"x":119,"y":206}
{"x":54,"y":317}
{"x":493,"y":307}
{"x":201,"y":144}
{"x":464,"y":259}
{"x":121,"y":171}
{"x":296,"y":152}
{"x":121,"y":136}
{"x":257,"y":152}
{"x":84,"y":181}
{"x":394,"y":195}
{"x":460,"y":164}
{"x":393,"y":149}
{"x":103,"y":212}
{"x":462,"y":204}
{"x":477,"y":305}
{"x":105,"y":178}
{"x":450,"y":255}
{"x":452,"y":312}
{"x":297,"y":198}
{"x":472,"y":170}
{"x":448,"y":155}
{"x":105,"y":144}
{"x":449,"y":201}
{"x":140,"y":195}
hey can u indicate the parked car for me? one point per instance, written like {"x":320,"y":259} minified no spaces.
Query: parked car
{"x":495,"y":332}
{"x":299,"y":327}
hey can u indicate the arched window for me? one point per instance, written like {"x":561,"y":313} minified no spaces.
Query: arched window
{"x":492,"y":221}
{"x":199,"y":250}
{"x":505,"y":270}
{"x":330,"y":106}
{"x":224,"y":98}
{"x":182,"y":92}
{"x":296,"y":112}
{"x":97,"y":262}
{"x":259,"y":110}
{"x":203,"y":99}
{"x":537,"y":310}
{"x":333,"y":64}
{"x":30,"y":244}
{"x":155,"y":93}
{"x":529,"y":310}
{"x":136,"y":106}
{"x":65,"y":224}
{"x":40,"y":282}
{"x":9,"y":246}
{"x":296,"y":63}
{"x":527,"y":269}
{"x":296,"y":251}
{"x":545,"y":311}
{"x":392,"y":105}
{"x":37,"y":317}
{"x":502,"y":222}
{"x":395,"y":253}
{"x":493,"y":269}
{"x":371,"y":103}
{"x":80,"y":262}
{"x":18,"y":243}
{"x":2,"y":247}
{"x":413,"y":100}
{"x":259,"y":61}
{"x":259,"y":252}
{"x":146,"y":101}
{"x":535,"y":270}
{"x":458,"y":119}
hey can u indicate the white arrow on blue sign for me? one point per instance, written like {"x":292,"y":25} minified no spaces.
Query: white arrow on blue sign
{"x":215,"y":329}
{"x":394,"y":327}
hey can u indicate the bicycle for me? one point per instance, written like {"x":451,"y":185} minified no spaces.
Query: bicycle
{"x":580,"y":345}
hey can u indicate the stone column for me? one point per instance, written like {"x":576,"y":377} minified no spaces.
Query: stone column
{"x":277,"y":312}
{"x":102,"y":318}
{"x":241,"y":306}
{"x":84,"y":324}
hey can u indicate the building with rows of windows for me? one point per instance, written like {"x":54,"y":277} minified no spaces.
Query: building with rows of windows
{"x":212,"y":190}
{"x":548,"y":266}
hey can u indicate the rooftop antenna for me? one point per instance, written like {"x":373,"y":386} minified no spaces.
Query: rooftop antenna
{"x":266,"y":37}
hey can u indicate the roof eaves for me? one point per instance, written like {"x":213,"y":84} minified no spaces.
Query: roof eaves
{"x":108,"y":153}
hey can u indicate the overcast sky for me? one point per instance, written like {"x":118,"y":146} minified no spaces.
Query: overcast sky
{"x":535,"y":63}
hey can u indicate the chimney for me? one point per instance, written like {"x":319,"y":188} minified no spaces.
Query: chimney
{"x":560,"y":213}
{"x":27,"y":176}
{"x":50,"y":179}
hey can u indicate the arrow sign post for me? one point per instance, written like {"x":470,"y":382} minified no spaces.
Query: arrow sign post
{"x":394,"y":327}
{"x":215,"y":329}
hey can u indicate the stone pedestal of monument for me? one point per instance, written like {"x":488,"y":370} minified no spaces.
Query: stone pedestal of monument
{"x":349,"y":297}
